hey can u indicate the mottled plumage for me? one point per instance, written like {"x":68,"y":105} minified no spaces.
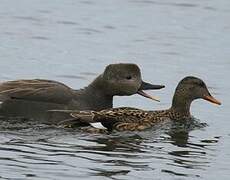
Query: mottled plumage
{"x":125,"y":118}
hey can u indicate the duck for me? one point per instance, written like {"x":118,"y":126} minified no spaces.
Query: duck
{"x":32,"y":98}
{"x":189,"y":89}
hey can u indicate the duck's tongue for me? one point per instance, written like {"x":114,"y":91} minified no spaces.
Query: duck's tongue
{"x":148,"y":86}
{"x":211,"y":99}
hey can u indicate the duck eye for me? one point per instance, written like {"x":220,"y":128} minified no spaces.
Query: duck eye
{"x":129,"y":77}
{"x":201,"y":84}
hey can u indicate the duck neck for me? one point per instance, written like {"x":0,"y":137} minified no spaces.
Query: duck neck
{"x":95,"y":96}
{"x":181,"y":105}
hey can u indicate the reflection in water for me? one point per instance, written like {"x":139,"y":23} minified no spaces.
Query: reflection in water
{"x":114,"y":155}
{"x":179,"y":131}
{"x":189,"y":155}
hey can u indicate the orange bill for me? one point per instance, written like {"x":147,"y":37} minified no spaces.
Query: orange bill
{"x":211,"y":99}
{"x":142,"y":93}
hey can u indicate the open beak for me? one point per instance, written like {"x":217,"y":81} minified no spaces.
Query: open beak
{"x":211,"y":99}
{"x":148,"y":86}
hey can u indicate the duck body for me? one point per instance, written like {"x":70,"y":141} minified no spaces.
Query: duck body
{"x":126,"y":118}
{"x":34,"y":97}
{"x":131,"y":119}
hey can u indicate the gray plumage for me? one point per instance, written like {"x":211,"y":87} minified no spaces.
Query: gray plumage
{"x":33,"y":98}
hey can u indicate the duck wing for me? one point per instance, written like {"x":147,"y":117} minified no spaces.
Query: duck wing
{"x":120,"y":119}
{"x":36,"y":90}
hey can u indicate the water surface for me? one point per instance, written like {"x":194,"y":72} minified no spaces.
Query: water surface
{"x":72,"y":41}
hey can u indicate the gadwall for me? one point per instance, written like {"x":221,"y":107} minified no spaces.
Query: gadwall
{"x":131,"y":119}
{"x":33,"y":98}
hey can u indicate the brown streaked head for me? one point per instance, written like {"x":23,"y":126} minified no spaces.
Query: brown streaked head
{"x":191,"y":88}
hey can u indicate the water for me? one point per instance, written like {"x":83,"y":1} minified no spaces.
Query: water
{"x":72,"y":41}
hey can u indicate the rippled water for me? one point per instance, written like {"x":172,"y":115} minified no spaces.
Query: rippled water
{"x":72,"y":41}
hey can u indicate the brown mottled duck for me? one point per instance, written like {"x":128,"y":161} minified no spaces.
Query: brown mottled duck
{"x":131,"y":119}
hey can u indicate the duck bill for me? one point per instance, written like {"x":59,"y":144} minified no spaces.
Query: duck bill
{"x":148,"y":86}
{"x":211,"y":99}
{"x":142,"y":93}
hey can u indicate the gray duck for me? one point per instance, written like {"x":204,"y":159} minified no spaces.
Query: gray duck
{"x":132,"y":119}
{"x":33,"y":98}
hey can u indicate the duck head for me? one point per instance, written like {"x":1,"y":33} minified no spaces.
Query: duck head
{"x":189,"y":89}
{"x":125,"y":79}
